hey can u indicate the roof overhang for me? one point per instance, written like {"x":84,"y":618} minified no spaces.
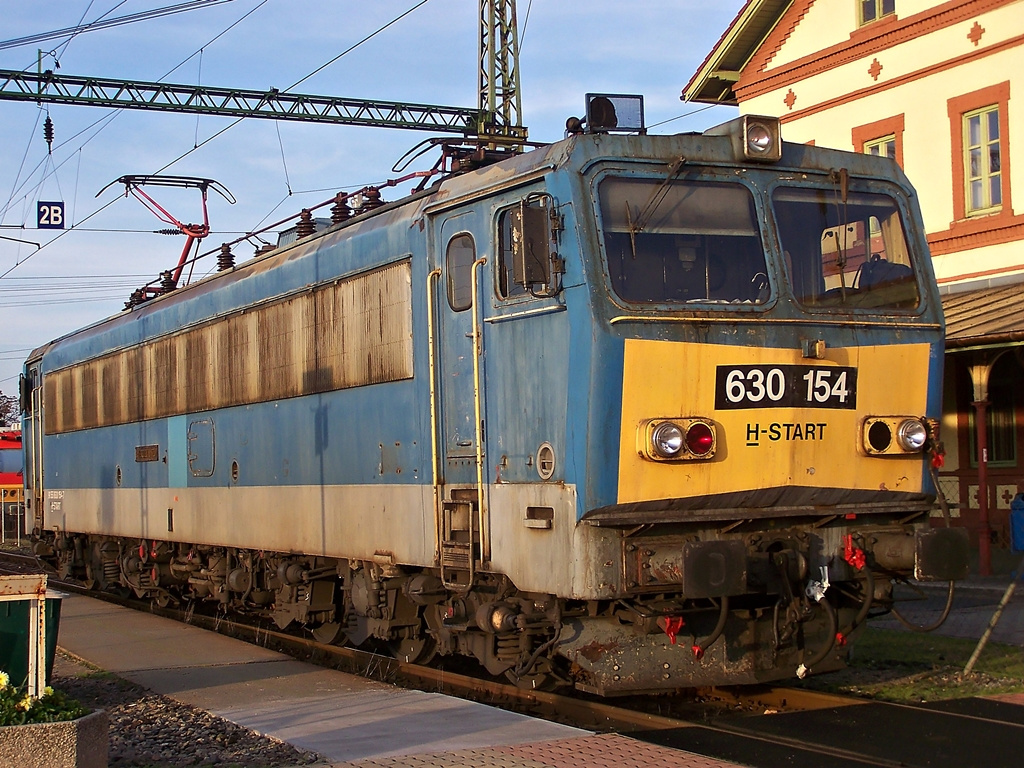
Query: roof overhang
{"x":986,"y":318}
{"x":713,"y":82}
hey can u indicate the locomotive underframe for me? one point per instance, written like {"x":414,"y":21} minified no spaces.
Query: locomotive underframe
{"x":747,"y":605}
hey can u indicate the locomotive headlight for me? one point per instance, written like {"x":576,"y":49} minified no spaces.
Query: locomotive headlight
{"x":753,"y":137}
{"x":676,"y":439}
{"x":761,"y":138}
{"x":894,"y":435}
{"x":667,"y":440}
{"x":912,"y":435}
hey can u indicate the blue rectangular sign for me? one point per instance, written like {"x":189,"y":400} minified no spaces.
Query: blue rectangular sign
{"x":50,"y":215}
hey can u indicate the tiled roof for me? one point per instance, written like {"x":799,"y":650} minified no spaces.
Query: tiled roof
{"x":985,"y":316}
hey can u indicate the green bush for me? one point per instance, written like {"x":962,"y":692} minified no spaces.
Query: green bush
{"x":17,"y":708}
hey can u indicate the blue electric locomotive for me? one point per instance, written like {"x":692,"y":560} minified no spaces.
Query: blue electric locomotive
{"x":625,"y":413}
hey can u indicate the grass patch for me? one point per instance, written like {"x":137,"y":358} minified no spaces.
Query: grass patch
{"x":893,"y":665}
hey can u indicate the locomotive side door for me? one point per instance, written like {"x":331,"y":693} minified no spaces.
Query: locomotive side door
{"x":461,"y":241}
{"x":32,"y":441}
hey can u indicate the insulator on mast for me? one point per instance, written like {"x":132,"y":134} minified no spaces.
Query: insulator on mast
{"x":48,"y":134}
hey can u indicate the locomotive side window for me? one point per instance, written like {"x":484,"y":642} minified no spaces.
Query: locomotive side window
{"x":459,"y":260}
{"x":682,"y":241}
{"x":851,"y":253}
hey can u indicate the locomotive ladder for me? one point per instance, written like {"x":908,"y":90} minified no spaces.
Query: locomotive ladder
{"x":460,"y":539}
{"x":460,"y":520}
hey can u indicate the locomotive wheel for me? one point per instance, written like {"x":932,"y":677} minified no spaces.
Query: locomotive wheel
{"x":162,"y":600}
{"x":414,"y":651}
{"x":329,"y":633}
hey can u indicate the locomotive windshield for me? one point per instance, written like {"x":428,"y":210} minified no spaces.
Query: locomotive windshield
{"x":850,"y":253}
{"x":682,"y":241}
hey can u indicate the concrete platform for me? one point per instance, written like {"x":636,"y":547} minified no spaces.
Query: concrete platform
{"x":348,"y":720}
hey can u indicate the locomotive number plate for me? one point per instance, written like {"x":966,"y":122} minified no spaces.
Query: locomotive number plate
{"x":785,"y":386}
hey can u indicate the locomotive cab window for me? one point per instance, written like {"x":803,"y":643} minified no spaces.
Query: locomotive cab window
{"x":459,"y":258}
{"x":851,"y":253}
{"x":682,"y":242}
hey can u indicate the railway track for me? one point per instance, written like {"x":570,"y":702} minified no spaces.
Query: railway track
{"x":767,"y":727}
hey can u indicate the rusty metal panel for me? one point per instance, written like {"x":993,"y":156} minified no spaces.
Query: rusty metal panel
{"x":111,"y":375}
{"x":236,"y":374}
{"x":23,"y":585}
{"x":280,"y":350}
{"x":326,"y":372}
{"x":349,"y":333}
{"x":161,"y":361}
{"x":52,"y":407}
{"x":376,"y":331}
{"x":90,"y":412}
{"x":133,"y":384}
{"x":197,"y":370}
{"x":67,"y":400}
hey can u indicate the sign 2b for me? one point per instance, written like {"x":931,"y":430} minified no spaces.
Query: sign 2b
{"x":50,"y":215}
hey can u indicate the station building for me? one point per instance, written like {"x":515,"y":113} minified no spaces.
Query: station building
{"x":938,"y":87}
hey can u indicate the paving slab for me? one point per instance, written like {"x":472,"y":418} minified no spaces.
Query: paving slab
{"x":341,"y":716}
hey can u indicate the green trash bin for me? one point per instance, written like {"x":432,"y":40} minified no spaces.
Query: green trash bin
{"x":14,"y":637}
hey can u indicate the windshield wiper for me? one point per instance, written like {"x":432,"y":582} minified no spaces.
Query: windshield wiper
{"x":657,"y":196}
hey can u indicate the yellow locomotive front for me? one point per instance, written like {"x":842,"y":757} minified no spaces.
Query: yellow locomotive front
{"x":781,"y":353}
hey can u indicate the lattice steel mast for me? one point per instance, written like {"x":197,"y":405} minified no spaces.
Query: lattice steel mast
{"x":496,"y":120}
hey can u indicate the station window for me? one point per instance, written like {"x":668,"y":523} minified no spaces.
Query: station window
{"x":982,"y":160}
{"x":881,"y":137}
{"x":884,"y":147}
{"x":459,"y":260}
{"x":979,"y":133}
{"x":872,"y":10}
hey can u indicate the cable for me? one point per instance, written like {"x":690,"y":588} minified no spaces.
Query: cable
{"x":67,"y":43}
{"x":21,"y":167}
{"x":115,"y":22}
{"x":522,"y":35}
{"x":226,"y":128}
{"x":58,"y":237}
{"x":81,"y":18}
{"x":110,"y":117}
{"x":284,"y":162}
{"x":356,"y":45}
{"x":680,"y":117}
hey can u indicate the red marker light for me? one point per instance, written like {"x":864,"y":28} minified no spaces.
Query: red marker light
{"x":699,"y":438}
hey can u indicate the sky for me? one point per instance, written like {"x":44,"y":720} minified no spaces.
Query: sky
{"x":274,"y":169}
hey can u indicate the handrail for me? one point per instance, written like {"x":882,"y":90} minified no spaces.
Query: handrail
{"x":481,"y":489}
{"x":434,"y":457}
{"x":36,"y":423}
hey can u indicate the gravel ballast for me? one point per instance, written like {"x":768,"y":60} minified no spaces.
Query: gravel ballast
{"x":150,"y":730}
